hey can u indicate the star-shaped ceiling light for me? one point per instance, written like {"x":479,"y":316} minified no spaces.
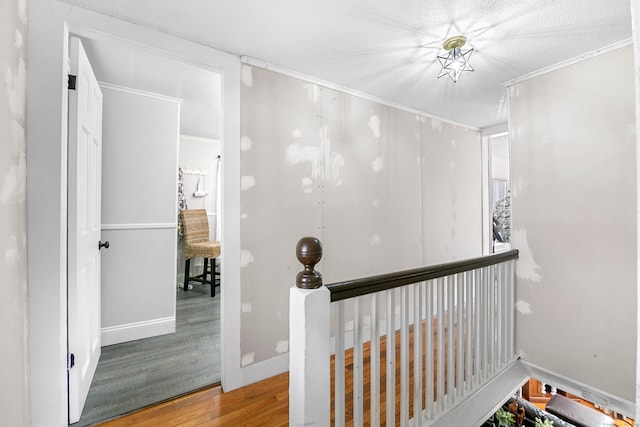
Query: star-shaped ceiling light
{"x":457,"y":61}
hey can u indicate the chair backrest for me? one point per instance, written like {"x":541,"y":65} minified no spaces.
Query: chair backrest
{"x":196,"y":225}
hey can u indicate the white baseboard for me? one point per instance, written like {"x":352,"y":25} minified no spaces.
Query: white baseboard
{"x":135,"y":331}
{"x":266,"y":369}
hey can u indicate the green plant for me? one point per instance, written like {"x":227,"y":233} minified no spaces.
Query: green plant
{"x":545,"y":423}
{"x":505,"y":417}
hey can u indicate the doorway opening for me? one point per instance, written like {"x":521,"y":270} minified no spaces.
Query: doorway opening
{"x":158,"y":341}
{"x":500,"y":192}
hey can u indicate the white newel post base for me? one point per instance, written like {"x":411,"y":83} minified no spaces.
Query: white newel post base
{"x":309,"y":354}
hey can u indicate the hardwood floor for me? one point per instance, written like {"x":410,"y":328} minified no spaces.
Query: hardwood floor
{"x":262,"y":404}
{"x":267,"y":403}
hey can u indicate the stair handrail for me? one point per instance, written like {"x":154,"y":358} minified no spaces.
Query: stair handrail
{"x":309,"y":252}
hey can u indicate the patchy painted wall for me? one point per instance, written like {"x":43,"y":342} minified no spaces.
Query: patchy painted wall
{"x":451,"y":188}
{"x":14,"y":373}
{"x":373,"y":182}
{"x":574,"y":221}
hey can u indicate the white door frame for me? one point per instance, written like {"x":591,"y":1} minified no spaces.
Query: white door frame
{"x":51,"y":22}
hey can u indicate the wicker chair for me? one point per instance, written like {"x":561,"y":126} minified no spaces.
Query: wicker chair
{"x":197,"y":244}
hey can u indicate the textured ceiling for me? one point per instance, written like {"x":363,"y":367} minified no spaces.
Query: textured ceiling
{"x":388,"y":48}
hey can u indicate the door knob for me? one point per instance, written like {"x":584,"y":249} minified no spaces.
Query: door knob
{"x":103,"y":245}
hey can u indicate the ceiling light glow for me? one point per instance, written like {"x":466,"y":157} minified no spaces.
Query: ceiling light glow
{"x":456,"y":61}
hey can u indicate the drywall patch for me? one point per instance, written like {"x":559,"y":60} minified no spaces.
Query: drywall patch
{"x":313,"y":92}
{"x":526,"y":267}
{"x":452,"y":165}
{"x":336,"y":162}
{"x":22,"y":10}
{"x":247,"y":359}
{"x":374,"y":240}
{"x":297,"y":153}
{"x":16,"y":84}
{"x":375,"y":203}
{"x":454,"y":145}
{"x":436,"y":125}
{"x":247,"y":75}
{"x":19,"y":40}
{"x":247,"y":308}
{"x":247,"y":182}
{"x":523,"y":307}
{"x":282,"y":346}
{"x":296,"y":133}
{"x":307,"y":185}
{"x":374,"y":125}
{"x":244,"y":216}
{"x":246,"y":258}
{"x":377,"y":165}
{"x":11,"y":255}
{"x":514,"y":90}
{"x":245,"y":143}
{"x":12,"y":188}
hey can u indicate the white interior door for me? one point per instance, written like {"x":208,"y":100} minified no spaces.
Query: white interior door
{"x":84,"y":195}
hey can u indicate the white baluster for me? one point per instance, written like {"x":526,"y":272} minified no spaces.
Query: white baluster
{"x":338,"y":368}
{"x":440,"y":346}
{"x":417,"y":354}
{"x":391,"y":359}
{"x":450,"y":301}
{"x":468,"y":278}
{"x":357,"y":364}
{"x":375,"y":361}
{"x":460,"y":324}
{"x":477,"y":323}
{"x":429,"y":381}
{"x":404,"y":356}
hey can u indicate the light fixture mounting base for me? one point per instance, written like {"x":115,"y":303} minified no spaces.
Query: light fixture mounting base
{"x":453,"y":42}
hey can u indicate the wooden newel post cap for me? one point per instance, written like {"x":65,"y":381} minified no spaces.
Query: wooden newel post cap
{"x":309,"y":253}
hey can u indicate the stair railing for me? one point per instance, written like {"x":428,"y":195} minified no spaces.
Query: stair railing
{"x":431,"y":337}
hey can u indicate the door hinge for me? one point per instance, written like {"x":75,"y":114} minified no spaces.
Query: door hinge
{"x":71,"y":361}
{"x":72,"y":82}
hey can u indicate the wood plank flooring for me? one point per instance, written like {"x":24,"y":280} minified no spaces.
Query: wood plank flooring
{"x":266,"y":403}
{"x":262,"y":404}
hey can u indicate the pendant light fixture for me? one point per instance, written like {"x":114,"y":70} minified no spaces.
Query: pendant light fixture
{"x":457,"y":61}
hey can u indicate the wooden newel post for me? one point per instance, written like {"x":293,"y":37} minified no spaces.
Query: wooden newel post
{"x":309,"y":253}
{"x":309,"y":341}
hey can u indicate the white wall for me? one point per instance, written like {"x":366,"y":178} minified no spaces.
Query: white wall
{"x":574,"y":221}
{"x":200,"y":155}
{"x":499,"y":148}
{"x":139,"y":216}
{"x":14,"y":371}
{"x":635,"y":23}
